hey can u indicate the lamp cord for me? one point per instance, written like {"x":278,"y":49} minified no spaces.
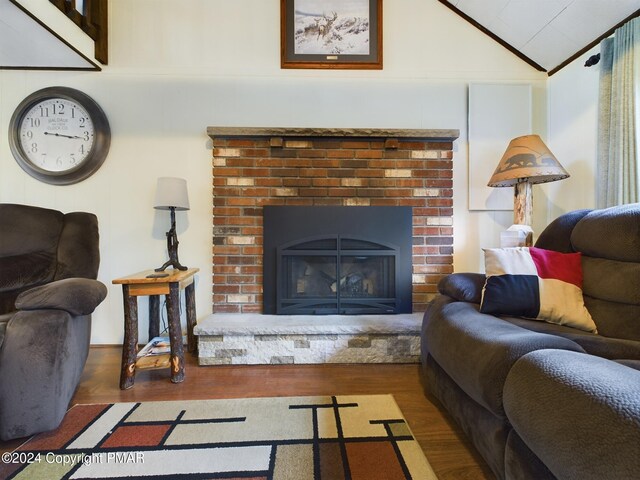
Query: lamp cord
{"x":163,"y":314}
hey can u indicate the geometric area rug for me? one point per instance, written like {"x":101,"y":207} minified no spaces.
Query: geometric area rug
{"x":359,"y":437}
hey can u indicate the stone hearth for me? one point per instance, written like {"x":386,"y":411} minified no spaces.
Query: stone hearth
{"x":225,"y":339}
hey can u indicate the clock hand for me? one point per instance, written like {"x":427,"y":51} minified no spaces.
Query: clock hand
{"x":62,"y":135}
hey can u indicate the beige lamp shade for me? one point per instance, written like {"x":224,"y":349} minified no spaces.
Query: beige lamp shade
{"x":527,"y":159}
{"x":171,"y":192}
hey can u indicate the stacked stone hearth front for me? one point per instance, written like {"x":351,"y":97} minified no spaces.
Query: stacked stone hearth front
{"x":254,"y":167}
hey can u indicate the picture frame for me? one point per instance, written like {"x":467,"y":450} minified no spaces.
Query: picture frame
{"x":331,"y":34}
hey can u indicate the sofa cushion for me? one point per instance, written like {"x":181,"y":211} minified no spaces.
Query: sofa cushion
{"x":612,"y":295}
{"x":611,"y":280}
{"x":26,"y":270}
{"x":609,"y":240}
{"x":617,"y":320}
{"x":594,"y":344}
{"x":536,"y":283}
{"x":477,"y":351}
{"x":27,"y":229}
{"x":557,"y":235}
{"x":78,"y":252}
{"x":578,"y":413}
{"x":612,"y":233}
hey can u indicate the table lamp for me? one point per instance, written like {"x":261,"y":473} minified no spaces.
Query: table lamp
{"x":526,"y":161}
{"x":171,"y":194}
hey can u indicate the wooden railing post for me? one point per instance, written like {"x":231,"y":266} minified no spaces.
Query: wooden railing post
{"x":94,"y":21}
{"x":96,"y":14}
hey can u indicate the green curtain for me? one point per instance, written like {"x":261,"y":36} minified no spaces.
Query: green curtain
{"x":618,"y":175}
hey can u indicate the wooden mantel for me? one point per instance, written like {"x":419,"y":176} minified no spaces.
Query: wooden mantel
{"x":428,"y":134}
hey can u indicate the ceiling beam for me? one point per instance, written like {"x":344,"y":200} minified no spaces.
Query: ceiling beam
{"x":584,"y":50}
{"x":489,"y":33}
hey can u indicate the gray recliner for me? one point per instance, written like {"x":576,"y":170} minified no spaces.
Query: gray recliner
{"x":48,"y":290}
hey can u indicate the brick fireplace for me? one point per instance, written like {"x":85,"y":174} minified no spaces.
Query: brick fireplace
{"x":255,"y":167}
{"x":303,"y":167}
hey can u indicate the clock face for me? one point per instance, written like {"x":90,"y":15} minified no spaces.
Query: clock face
{"x":56,"y":134}
{"x":59,"y":135}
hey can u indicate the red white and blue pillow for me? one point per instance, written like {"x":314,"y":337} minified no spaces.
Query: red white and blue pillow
{"x":535,"y":283}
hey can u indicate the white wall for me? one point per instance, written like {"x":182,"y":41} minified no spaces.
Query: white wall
{"x":177,"y":67}
{"x":573,"y":124}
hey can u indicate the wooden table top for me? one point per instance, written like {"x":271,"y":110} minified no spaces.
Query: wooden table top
{"x":141,"y":277}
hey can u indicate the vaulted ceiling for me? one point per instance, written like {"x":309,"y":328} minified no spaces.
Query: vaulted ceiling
{"x":546,"y":33}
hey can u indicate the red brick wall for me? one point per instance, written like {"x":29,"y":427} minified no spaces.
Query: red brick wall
{"x":250,"y":172}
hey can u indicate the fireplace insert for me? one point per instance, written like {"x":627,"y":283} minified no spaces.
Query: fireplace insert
{"x":337,"y":260}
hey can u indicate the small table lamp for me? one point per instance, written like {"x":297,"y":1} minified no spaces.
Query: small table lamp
{"x":171,"y":194}
{"x":527,"y":161}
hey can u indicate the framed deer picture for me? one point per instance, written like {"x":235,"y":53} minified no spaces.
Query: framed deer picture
{"x":331,"y":34}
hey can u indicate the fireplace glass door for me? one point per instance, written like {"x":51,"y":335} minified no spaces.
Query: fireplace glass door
{"x":336,"y":275}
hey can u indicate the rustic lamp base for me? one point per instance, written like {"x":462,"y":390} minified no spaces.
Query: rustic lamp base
{"x":172,"y":246}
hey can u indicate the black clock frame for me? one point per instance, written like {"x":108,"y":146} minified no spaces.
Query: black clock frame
{"x":99,"y":149}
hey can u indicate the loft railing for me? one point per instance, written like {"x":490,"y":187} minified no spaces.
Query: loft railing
{"x":91,"y":16}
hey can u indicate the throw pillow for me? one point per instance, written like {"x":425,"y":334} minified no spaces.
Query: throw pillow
{"x":536,"y":283}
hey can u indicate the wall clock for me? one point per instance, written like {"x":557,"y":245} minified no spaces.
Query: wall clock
{"x":59,"y":135}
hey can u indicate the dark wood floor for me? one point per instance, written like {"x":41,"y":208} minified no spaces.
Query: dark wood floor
{"x":448,"y":451}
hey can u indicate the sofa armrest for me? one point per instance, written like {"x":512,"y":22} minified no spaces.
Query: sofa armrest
{"x":580,"y":414}
{"x":41,"y":361}
{"x":78,"y":296}
{"x":464,"y":287}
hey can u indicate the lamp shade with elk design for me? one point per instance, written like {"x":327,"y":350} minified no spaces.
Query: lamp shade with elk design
{"x":526,"y":161}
